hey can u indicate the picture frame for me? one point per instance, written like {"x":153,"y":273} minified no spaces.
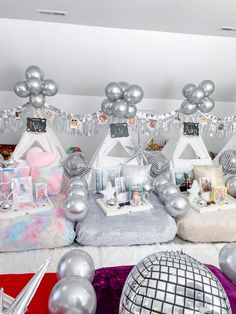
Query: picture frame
{"x":205,"y":184}
{"x":121,"y":191}
{"x":219,"y":194}
{"x":136,"y":196}
{"x":23,"y":191}
{"x":41,"y":194}
{"x":184,"y":178}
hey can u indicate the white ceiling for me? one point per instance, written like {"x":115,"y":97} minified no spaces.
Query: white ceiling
{"x":180,"y":16}
{"x":83,"y":59}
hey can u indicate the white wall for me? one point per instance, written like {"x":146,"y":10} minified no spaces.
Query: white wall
{"x":83,"y":104}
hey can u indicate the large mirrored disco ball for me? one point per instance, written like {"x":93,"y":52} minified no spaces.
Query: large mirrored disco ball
{"x":171,"y":283}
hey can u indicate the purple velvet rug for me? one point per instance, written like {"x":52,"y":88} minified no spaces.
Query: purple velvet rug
{"x":108,"y":283}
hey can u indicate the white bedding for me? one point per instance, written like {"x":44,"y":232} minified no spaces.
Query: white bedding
{"x":29,"y":261}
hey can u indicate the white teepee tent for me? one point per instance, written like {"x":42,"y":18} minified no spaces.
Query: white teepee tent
{"x":48,"y":141}
{"x":107,"y":160}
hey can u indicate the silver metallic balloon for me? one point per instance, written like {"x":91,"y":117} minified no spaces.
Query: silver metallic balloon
{"x":75,"y":208}
{"x":120,"y":108}
{"x":197,"y":95}
{"x":172,"y":282}
{"x":34,"y":71}
{"x":133,"y":94}
{"x":113,"y":91}
{"x":166,"y":190}
{"x":34,"y":85}
{"x":208,"y":87}
{"x":177,"y":205}
{"x":37,"y":101}
{"x":227,"y":261}
{"x":50,"y":88}
{"x":76,"y":263}
{"x":206,"y":105}
{"x":106,"y":106}
{"x":231,"y":186}
{"x":188,"y":107}
{"x":228,"y":161}
{"x":20,"y":89}
{"x":77,"y":191}
{"x":74,"y":294}
{"x":78,"y":181}
{"x":158,"y":182}
{"x":188,"y":89}
{"x":132,"y":110}
{"x":123,"y":85}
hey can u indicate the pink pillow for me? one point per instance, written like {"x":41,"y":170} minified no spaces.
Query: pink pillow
{"x":36,"y":158}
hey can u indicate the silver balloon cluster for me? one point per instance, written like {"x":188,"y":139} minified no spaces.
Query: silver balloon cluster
{"x":228,"y":161}
{"x":74,"y":293}
{"x":197,"y":97}
{"x":176,"y":204}
{"x":121,"y":100}
{"x":172,"y":282}
{"x":35,"y":87}
{"x":227,"y":261}
{"x":76,"y":205}
{"x":76,"y":165}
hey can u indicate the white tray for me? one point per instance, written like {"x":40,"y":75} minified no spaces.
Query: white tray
{"x":231,"y":204}
{"x":127,"y":209}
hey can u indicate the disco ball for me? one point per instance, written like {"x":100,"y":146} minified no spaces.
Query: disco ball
{"x":172,"y":282}
{"x":228,"y":161}
{"x":76,"y":165}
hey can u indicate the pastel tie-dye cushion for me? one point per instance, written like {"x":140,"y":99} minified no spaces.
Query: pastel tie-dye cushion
{"x":52,"y":175}
{"x":49,"y":229}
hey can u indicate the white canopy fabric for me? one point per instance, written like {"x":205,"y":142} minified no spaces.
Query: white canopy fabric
{"x":48,"y":141}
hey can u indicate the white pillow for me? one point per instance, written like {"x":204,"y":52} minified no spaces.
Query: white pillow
{"x":136,"y":175}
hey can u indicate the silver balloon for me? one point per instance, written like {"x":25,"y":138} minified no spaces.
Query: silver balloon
{"x":208,"y":87}
{"x":78,"y":181}
{"x":228,"y":161}
{"x":188,"y":89}
{"x":166,"y":190}
{"x":106,"y":106}
{"x":132,"y":110}
{"x":158,"y":182}
{"x":231,"y":186}
{"x":197,"y":95}
{"x":177,"y":205}
{"x":20,"y":89}
{"x":76,"y":263}
{"x":34,"y":71}
{"x":120,"y":108}
{"x":172,"y":282}
{"x":37,"y":101}
{"x":113,"y":91}
{"x":75,"y":208}
{"x":133,"y":94}
{"x":124,"y":86}
{"x":188,"y":107}
{"x":50,"y":88}
{"x":206,"y":105}
{"x":227,"y":261}
{"x":77,"y":191}
{"x":72,"y":295}
{"x":34,"y":85}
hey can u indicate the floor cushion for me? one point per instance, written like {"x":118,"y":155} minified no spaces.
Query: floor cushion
{"x":217,"y":226}
{"x":47,"y":229}
{"x":146,"y":227}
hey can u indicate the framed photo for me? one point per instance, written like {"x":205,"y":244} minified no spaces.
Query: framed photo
{"x":41,"y":193}
{"x":219,"y":194}
{"x":205,"y":184}
{"x":121,"y":192}
{"x":22,"y":191}
{"x":136,"y":195}
{"x":184,"y":178}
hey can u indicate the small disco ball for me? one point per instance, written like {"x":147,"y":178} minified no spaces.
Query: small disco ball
{"x":228,"y":161}
{"x":159,"y":163}
{"x":76,"y":165}
{"x":171,"y":283}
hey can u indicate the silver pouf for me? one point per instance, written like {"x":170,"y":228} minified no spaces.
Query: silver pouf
{"x":172,"y":282}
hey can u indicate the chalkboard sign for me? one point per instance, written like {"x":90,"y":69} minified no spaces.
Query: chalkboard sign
{"x":36,"y":125}
{"x":191,"y":128}
{"x":119,"y":130}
